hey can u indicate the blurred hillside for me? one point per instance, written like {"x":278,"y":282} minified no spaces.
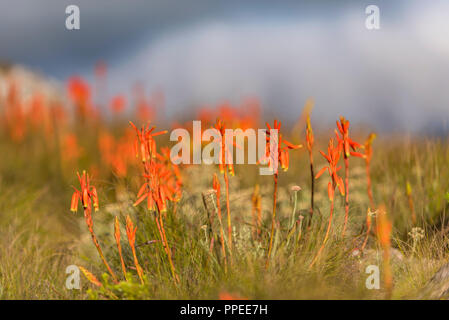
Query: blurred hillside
{"x":28,"y":82}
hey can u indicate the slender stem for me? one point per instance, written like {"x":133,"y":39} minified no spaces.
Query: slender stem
{"x":312,"y":191}
{"x":327,"y":233}
{"x":228,"y":211}
{"x":366,"y":238}
{"x":168,"y":251}
{"x":218,"y":208}
{"x":412,"y":207}
{"x":299,"y":231}
{"x":346,"y":195}
{"x":160,"y":232}
{"x":259,"y":219}
{"x":122,"y":262}
{"x":388,"y":279}
{"x":160,"y":227}
{"x":273,"y":219}
{"x":208,"y":197}
{"x":87,"y":215}
{"x":292,"y":220}
{"x":254,"y":219}
{"x":369,"y":187}
{"x":136,"y":262}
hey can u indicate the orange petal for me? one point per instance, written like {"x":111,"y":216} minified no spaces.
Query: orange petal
{"x":140,"y":200}
{"x":320,"y":172}
{"x":330,"y":191}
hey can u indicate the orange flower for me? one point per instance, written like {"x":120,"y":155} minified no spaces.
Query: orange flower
{"x":159,"y":187}
{"x":166,"y":159}
{"x":88,"y":197}
{"x":282,"y":151}
{"x":159,"y":183}
{"x":79,"y":92}
{"x":92,"y":279}
{"x":225,"y":156}
{"x":228,"y":296}
{"x":206,"y":115}
{"x":118,"y":103}
{"x":332,"y":157}
{"x":78,"y":89}
{"x":116,"y":153}
{"x":130,"y":231}
{"x":216,"y":185}
{"x":309,"y":135}
{"x":162,"y":180}
{"x":347,"y":143}
{"x":384,"y":227}
{"x":226,"y":161}
{"x":368,"y":146}
{"x":70,"y":148}
{"x":87,"y":194}
{"x":147,"y":143}
{"x":100,"y":69}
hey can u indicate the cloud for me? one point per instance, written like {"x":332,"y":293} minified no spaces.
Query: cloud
{"x":33,"y":32}
{"x":204,"y":51}
{"x":393,"y":78}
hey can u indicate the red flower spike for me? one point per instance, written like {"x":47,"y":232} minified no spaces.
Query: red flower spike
{"x":87,"y":195}
{"x":225,"y":156}
{"x":343,"y":128}
{"x":332,"y":157}
{"x":347,"y":144}
{"x":283,"y":146}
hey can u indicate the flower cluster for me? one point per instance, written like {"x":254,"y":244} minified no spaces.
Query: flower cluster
{"x":332,"y":157}
{"x":87,"y":194}
{"x":346,"y":142}
{"x":225,"y":156}
{"x":280,"y":149}
{"x":162,"y":181}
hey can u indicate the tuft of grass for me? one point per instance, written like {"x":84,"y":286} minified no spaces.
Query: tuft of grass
{"x":35,"y":247}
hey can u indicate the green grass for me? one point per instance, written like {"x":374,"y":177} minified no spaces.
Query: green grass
{"x":39,"y":237}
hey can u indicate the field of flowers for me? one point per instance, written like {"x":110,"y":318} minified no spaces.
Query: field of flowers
{"x":92,"y":184}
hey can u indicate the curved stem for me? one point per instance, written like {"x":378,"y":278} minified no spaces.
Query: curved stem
{"x":167,"y":248}
{"x":273,"y":219}
{"x":122,"y":262}
{"x":292,"y":221}
{"x":97,"y":245}
{"x":312,"y":191}
{"x":136,"y":262}
{"x":369,"y":187}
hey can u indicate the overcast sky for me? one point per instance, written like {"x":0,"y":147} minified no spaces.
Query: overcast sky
{"x":205,"y":51}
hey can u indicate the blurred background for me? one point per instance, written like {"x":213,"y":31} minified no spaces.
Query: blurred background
{"x":202,"y":52}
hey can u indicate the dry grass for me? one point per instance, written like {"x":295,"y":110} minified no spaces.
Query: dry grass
{"x":39,"y":237}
